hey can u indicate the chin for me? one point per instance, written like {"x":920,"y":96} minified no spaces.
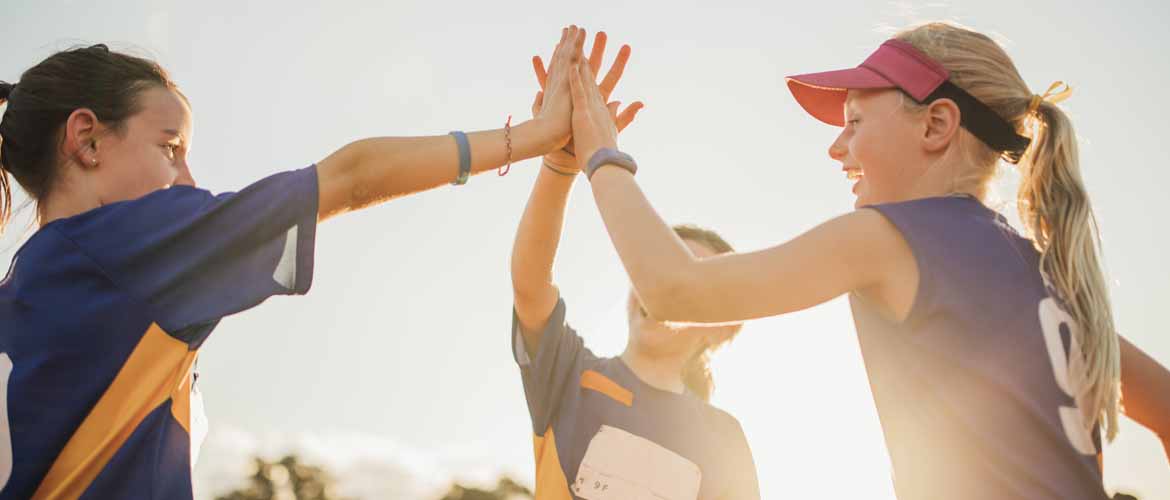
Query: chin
{"x":647,"y":339}
{"x":651,"y":341}
{"x":865,"y":197}
{"x":662,"y":342}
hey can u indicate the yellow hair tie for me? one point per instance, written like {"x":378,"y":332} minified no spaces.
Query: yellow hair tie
{"x":1054,"y":94}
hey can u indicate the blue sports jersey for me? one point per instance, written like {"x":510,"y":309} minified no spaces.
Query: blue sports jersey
{"x":101,"y":318}
{"x":972,"y":388}
{"x":601,"y":433}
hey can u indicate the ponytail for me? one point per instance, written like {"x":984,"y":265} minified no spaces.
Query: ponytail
{"x":697,"y":372}
{"x":5,"y":186}
{"x":1055,"y":209}
{"x":1053,"y":204}
{"x":5,"y":197}
{"x":697,"y":375}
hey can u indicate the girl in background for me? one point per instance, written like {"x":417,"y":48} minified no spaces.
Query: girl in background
{"x":638,"y":425}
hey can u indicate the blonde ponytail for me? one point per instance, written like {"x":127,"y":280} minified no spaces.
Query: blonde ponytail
{"x":1053,"y":204}
{"x":1055,"y":209}
{"x":697,"y":375}
{"x":697,"y":372}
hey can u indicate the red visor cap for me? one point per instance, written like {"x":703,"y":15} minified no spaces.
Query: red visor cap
{"x":895,"y":64}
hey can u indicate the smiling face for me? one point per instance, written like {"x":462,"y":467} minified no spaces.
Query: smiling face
{"x":880,"y":146}
{"x":149,"y":152}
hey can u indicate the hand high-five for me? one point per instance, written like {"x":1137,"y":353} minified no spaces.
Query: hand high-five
{"x":557,"y":106}
{"x":594,"y":126}
{"x":563,"y":158}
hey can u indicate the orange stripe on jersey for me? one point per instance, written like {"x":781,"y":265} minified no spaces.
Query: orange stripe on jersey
{"x":156,"y":367}
{"x":551,"y":483}
{"x":600,"y":383}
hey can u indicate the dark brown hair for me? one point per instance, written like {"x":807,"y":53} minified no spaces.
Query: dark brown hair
{"x":95,"y":78}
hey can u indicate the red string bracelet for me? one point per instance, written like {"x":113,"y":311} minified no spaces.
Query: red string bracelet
{"x":507,"y":142}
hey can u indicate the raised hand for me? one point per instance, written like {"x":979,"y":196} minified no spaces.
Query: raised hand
{"x":594,"y":126}
{"x":556,"y":110}
{"x":563,"y":158}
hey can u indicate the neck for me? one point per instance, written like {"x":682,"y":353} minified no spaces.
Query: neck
{"x":948,"y":176}
{"x":659,"y":372}
{"x":63,"y":202}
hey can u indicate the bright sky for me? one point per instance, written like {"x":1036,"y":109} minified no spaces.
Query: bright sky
{"x":395,"y":369}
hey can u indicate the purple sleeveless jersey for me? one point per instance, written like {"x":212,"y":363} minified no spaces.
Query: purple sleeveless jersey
{"x":972,"y":389}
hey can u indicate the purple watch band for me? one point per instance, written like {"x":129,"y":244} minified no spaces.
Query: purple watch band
{"x":610,"y":156}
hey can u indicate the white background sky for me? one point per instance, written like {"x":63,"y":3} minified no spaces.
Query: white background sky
{"x":396,"y":370}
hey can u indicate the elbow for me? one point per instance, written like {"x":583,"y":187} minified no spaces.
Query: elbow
{"x":344,"y":162}
{"x":523,"y":282}
{"x":339,"y":182}
{"x":526,"y":285}
{"x":523,"y":289}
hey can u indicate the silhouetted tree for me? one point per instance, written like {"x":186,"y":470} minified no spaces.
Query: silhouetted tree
{"x":506,"y":489}
{"x":290,"y":479}
{"x":285,"y":479}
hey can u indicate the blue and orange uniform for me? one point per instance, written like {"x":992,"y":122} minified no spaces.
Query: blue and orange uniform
{"x":101,"y":318}
{"x":972,"y":388}
{"x":602,"y":433}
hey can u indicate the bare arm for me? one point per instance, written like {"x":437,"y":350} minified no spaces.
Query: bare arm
{"x":860,"y":251}
{"x":534,"y":293}
{"x":1145,"y":391}
{"x":371,"y":171}
{"x":534,"y":250}
{"x":375,"y":170}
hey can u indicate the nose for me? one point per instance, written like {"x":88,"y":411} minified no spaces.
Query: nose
{"x":839,"y":149}
{"x":184,"y":178}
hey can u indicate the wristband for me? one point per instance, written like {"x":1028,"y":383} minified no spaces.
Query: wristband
{"x":610,"y":156}
{"x":464,"y":158}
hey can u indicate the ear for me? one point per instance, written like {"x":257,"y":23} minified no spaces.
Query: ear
{"x":942,"y":125}
{"x":81,"y":137}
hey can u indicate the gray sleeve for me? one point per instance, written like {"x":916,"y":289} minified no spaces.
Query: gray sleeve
{"x":556,"y":365}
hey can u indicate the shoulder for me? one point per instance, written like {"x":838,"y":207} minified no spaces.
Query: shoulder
{"x":865,"y":239}
{"x":929,"y":226}
{"x":954,"y":203}
{"x":935,"y":214}
{"x":727,"y":425}
{"x":869,"y":223}
{"x":950,"y":227}
{"x":157,"y":207}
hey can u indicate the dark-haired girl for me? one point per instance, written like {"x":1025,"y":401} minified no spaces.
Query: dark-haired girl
{"x":104,"y":308}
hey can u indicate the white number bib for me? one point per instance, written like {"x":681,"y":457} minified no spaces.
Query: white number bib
{"x":620,"y":465}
